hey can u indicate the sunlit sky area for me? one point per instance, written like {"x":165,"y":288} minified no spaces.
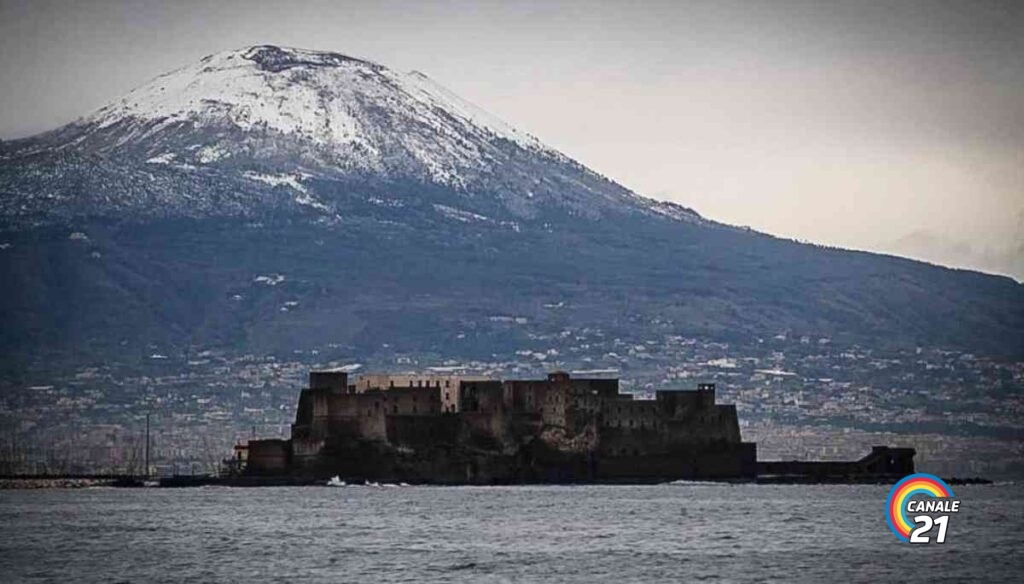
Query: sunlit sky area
{"x":888,"y":126}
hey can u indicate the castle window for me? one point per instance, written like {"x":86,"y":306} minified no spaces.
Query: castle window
{"x":447,"y":383}
{"x":394,"y":409}
{"x":414,"y":409}
{"x":391,"y":383}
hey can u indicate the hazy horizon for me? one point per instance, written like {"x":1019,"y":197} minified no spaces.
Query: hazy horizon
{"x":890,"y":128}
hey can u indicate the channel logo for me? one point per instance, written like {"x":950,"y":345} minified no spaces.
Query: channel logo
{"x":905,"y":497}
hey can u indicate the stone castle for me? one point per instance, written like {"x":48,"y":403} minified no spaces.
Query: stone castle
{"x":456,"y":429}
{"x":453,"y":428}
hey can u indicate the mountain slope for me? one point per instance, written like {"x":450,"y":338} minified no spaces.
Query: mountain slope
{"x":214,"y":138}
{"x":271,"y":199}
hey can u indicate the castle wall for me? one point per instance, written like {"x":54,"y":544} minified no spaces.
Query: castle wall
{"x":413,"y":431}
{"x":446,"y":386}
{"x":483,"y":429}
{"x":703,"y":461}
{"x":336,"y":381}
{"x":559,"y":397}
{"x":573,"y":423}
{"x":268,"y":457}
{"x":881,"y":461}
{"x":524,"y":395}
{"x":481,"y":396}
{"x":628,"y":414}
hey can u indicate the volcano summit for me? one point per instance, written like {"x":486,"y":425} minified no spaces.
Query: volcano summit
{"x":273,"y":116}
{"x":277,"y":199}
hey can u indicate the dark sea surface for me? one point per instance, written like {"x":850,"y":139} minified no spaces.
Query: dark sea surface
{"x":680,"y":532}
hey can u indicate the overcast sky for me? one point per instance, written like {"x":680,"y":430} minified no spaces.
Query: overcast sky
{"x":893,"y":126}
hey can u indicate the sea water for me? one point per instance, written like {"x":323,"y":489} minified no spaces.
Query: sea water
{"x":679,"y":533}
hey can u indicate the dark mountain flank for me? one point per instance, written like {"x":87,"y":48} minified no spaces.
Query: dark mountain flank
{"x":273,"y":199}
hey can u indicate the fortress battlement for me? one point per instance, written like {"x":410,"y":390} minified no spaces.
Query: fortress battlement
{"x":452,"y":428}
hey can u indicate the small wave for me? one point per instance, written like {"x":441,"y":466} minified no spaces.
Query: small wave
{"x":465,"y":566}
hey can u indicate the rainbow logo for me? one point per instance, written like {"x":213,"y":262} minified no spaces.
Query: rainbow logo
{"x":915,"y":484}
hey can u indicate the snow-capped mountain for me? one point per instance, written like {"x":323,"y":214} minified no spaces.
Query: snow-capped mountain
{"x":271,"y":199}
{"x":237,"y":122}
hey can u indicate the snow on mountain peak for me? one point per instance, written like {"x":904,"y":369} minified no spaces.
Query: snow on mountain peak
{"x":235,"y":118}
{"x":358,"y":114}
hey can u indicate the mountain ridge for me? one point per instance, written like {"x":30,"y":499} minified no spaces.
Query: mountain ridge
{"x":398,"y":202}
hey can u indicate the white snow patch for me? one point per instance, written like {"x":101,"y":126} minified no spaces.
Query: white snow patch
{"x":165,"y":158}
{"x":276,"y":180}
{"x":208,"y":154}
{"x":289,"y":180}
{"x":394,"y":203}
{"x":269,"y":280}
{"x":460,"y":215}
{"x":509,"y":319}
